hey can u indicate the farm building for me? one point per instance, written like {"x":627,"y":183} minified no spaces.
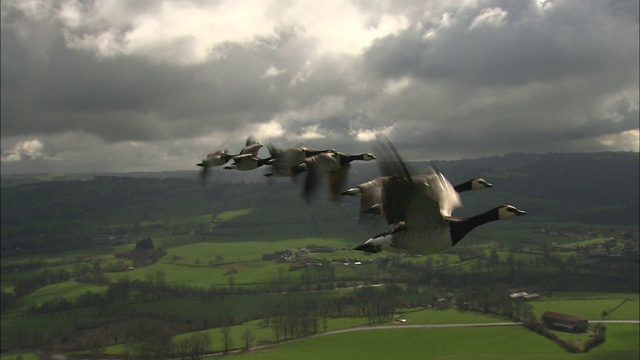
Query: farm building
{"x":564,"y":322}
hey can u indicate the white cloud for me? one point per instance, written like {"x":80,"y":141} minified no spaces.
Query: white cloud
{"x":24,"y":150}
{"x":272,"y":129}
{"x":185,"y":32}
{"x":395,"y":86}
{"x":489,"y":17}
{"x":366,"y":135}
{"x":624,"y":141}
{"x":311,"y":132}
{"x":273,"y":71}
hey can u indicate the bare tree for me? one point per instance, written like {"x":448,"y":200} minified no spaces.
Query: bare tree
{"x":248,"y":337}
{"x":228,"y":342}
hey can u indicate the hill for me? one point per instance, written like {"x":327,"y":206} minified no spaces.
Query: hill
{"x":595,"y":188}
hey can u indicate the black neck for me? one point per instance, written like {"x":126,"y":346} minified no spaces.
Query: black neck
{"x":345,"y":159}
{"x":466,"y":186}
{"x":264,"y":161}
{"x":459,"y":227}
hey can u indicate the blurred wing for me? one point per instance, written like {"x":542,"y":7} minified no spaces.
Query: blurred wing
{"x":433,"y":199}
{"x":396,"y":195}
{"x":203,"y":175}
{"x":389,"y":161}
{"x":371,"y":194}
{"x":337,"y":179}
{"x":251,"y":149}
{"x":251,"y":140}
{"x":311,"y":181}
{"x":398,"y":188}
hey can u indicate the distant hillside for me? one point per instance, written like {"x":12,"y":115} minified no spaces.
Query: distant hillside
{"x":596,"y":188}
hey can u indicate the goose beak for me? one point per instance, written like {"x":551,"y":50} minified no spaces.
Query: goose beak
{"x":519,"y":212}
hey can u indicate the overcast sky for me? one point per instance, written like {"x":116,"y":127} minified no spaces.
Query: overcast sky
{"x":118,"y":86}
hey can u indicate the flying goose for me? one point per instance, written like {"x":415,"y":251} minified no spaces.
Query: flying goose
{"x":289,"y":161}
{"x":247,"y":162}
{"x":221,"y":157}
{"x":217,"y":158}
{"x":370,"y":192}
{"x":335,"y":166}
{"x":420,"y":210}
{"x":248,"y":158}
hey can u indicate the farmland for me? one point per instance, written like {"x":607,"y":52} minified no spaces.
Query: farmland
{"x":253,"y":265}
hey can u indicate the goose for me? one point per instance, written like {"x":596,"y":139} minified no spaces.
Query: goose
{"x":247,"y":162}
{"x":252,"y":146}
{"x":289,"y":161}
{"x":420,"y":210}
{"x":217,"y":158}
{"x":221,"y":157}
{"x":335,"y":166}
{"x":370,"y":192}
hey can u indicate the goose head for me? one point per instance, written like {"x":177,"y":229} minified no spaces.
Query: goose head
{"x":508,"y":212}
{"x":368,"y":157}
{"x":480,"y":183}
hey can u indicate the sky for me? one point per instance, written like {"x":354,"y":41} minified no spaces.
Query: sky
{"x":122,"y":86}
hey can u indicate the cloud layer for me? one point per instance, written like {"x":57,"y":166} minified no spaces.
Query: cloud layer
{"x":150,"y":85}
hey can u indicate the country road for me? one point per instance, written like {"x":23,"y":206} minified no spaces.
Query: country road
{"x":423,"y":326}
{"x":382,"y":327}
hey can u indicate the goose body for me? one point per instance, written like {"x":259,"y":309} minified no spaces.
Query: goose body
{"x":436,"y":236}
{"x":334,"y":166}
{"x":247,"y":162}
{"x":420,"y":209}
{"x":289,"y":161}
{"x":217,"y":158}
{"x":221,"y":157}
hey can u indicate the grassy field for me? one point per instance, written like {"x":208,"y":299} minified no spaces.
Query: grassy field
{"x":591,"y":309}
{"x":459,"y":343}
{"x":447,"y":343}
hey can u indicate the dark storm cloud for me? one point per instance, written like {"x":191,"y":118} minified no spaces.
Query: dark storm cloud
{"x":442,"y":79}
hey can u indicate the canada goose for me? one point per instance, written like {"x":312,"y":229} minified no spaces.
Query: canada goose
{"x":335,"y":165}
{"x":473,"y":184}
{"x":247,"y":162}
{"x":433,"y":234}
{"x":420,"y":210}
{"x":289,"y":161}
{"x":221,"y":157}
{"x":217,"y":158}
{"x":252,"y":146}
{"x":370,"y":192}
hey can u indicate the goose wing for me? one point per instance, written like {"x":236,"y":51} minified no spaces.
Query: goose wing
{"x":371,"y":194}
{"x":337,"y":179}
{"x":421,"y":200}
{"x":398,"y":188}
{"x":432,"y":199}
{"x":287,"y":158}
{"x":318,"y":166}
{"x":252,"y":146}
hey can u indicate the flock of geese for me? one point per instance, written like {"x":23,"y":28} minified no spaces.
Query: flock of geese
{"x":418,"y":207}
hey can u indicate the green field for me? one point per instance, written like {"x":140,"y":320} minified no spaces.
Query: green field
{"x":459,"y":343}
{"x":214,"y":275}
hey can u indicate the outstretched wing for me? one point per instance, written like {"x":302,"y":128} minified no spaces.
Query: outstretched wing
{"x":252,"y":146}
{"x":433,"y":199}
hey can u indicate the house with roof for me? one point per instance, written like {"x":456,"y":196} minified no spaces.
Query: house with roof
{"x":564,"y":322}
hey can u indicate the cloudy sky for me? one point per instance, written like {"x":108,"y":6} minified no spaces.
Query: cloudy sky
{"x":121,"y":86}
